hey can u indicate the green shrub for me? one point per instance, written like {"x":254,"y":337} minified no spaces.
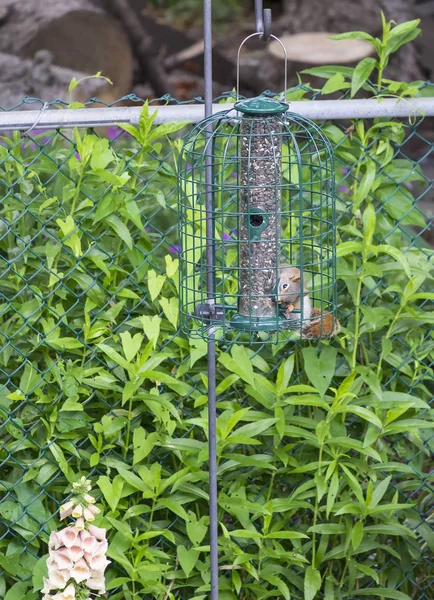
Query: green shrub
{"x":324,"y":451}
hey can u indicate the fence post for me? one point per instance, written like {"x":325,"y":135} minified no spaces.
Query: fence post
{"x":212,"y":417}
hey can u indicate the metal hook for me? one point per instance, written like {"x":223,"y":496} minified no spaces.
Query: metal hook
{"x":285,"y":54}
{"x":263,"y":20}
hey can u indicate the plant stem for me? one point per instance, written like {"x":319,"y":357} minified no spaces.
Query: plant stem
{"x":357,"y":318}
{"x":77,"y":192}
{"x":315,"y":513}
{"x":387,"y":336}
{"x":127,"y":438}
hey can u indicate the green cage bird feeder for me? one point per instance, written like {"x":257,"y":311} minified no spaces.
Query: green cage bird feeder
{"x":273,"y":215}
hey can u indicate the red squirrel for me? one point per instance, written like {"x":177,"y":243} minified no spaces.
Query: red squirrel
{"x":290,"y":296}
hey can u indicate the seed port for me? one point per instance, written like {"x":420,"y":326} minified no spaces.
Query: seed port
{"x":256,"y":220}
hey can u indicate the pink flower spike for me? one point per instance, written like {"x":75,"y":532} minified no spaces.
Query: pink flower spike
{"x":47,"y":587}
{"x":74,"y":553}
{"x":81,"y":571}
{"x":78,"y":511}
{"x":52,"y":565}
{"x":89,"y":499}
{"x":98,"y":562}
{"x":102,"y":547}
{"x":99,"y":532}
{"x":88,"y":542}
{"x":67,"y":594}
{"x":66,"y":509}
{"x":94,"y":510}
{"x":88,"y":515}
{"x":54,"y":541}
{"x":62,"y":559}
{"x":96,"y":584}
{"x":68,"y":536}
{"x":79,"y":524}
{"x":58,"y":579}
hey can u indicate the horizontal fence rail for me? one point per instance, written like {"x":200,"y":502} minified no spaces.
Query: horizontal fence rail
{"x":320,"y":110}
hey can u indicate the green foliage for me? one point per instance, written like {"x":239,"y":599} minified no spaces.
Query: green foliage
{"x":324,"y":452}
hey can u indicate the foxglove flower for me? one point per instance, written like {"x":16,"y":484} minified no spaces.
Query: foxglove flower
{"x":77,"y":553}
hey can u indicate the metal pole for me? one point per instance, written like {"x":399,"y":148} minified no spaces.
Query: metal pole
{"x":318,"y":110}
{"x":212,"y":410}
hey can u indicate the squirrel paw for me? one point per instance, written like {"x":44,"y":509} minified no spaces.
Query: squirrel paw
{"x":289,"y":310}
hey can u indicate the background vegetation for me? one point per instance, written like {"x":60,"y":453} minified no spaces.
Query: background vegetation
{"x":325,"y":451}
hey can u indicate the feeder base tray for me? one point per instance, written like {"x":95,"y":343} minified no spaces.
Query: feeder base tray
{"x":244,"y":323}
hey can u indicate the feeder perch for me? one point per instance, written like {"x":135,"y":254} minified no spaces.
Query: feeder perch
{"x":273,"y":204}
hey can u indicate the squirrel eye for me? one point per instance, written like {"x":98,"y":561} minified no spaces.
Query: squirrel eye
{"x":285,"y":286}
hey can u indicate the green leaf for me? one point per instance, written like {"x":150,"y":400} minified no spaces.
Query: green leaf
{"x":395,"y":529}
{"x":400,"y":205}
{"x":362,"y":412}
{"x":151,"y":327}
{"x":170,"y":308}
{"x":334,"y":84}
{"x":174,"y":506}
{"x":241,"y":357}
{"x":394,"y":253}
{"x":285,"y":535}
{"x":102,"y":154}
{"x":196,"y":531}
{"x":332,"y":493}
{"x":143,"y":443}
{"x":366,"y":184}
{"x":328,"y":529}
{"x":166,"y":129}
{"x":403,"y":28}
{"x":252,"y":429}
{"x":155,"y":283}
{"x":30,"y":379}
{"x":381,"y":593}
{"x":118,"y":181}
{"x":361,"y":73}
{"x":131,"y":345}
{"x":345,"y":248}
{"x":132,"y":212}
{"x":367,"y":571}
{"x":73,"y":84}
{"x":133,"y":131}
{"x":187,"y":559}
{"x":284,"y":374}
{"x":246,"y":534}
{"x":115,"y":356}
{"x":357,"y":534}
{"x":328,"y":72}
{"x":244,"y":371}
{"x":312,"y":583}
{"x":120,"y":229}
{"x":320,"y":368}
{"x":112,"y":491}
{"x":40,"y":570}
{"x":379,"y":491}
{"x":369,"y":221}
{"x":17,"y":591}
{"x":353,"y":35}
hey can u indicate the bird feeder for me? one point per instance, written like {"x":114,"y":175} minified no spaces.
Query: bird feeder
{"x":273,"y":204}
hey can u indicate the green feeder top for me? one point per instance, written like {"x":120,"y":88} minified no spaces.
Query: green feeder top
{"x":261,"y":106}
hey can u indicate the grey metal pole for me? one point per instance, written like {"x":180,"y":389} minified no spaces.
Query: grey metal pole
{"x":212,"y":410}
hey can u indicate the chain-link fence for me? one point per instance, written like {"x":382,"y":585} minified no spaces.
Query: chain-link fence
{"x":96,"y":380}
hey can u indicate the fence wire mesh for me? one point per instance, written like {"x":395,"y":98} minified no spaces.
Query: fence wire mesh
{"x":89,"y":312}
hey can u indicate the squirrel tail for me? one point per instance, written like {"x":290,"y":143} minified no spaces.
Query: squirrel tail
{"x":321,"y":326}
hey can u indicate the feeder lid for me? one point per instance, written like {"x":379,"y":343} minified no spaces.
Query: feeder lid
{"x":261,"y":106}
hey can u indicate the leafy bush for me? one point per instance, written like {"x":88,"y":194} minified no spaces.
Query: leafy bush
{"x":324,"y":451}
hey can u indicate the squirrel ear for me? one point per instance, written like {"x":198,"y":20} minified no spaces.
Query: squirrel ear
{"x":296,"y":276}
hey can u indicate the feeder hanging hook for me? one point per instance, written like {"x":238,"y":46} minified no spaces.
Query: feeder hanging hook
{"x":263,"y":20}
